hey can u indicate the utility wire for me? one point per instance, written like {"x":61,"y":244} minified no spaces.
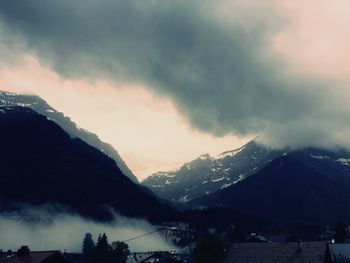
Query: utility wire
{"x":152,"y":232}
{"x":149,"y":233}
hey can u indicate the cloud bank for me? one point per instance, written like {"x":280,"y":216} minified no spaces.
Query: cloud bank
{"x":219,"y":72}
{"x":63,"y":231}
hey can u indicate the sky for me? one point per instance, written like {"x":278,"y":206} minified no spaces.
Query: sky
{"x":164,"y":81}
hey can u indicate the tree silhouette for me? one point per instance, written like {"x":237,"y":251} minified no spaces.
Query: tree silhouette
{"x":88,"y":248}
{"x":236,"y":234}
{"x":209,"y":249}
{"x":102,"y":249}
{"x":103,"y":252}
{"x":340,"y":233}
{"x":120,"y":251}
{"x":88,"y":244}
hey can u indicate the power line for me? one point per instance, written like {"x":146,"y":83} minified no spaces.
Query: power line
{"x":149,"y":233}
{"x":152,"y":232}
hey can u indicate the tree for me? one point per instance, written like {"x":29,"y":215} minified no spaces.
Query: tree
{"x":120,"y":252}
{"x":88,"y":244}
{"x":292,"y":236}
{"x":88,"y":248}
{"x":340,"y":233}
{"x":236,"y":234}
{"x":102,"y":251}
{"x":209,"y":249}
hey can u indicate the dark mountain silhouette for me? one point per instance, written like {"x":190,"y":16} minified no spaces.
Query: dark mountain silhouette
{"x":308,"y":185}
{"x":39,"y":105}
{"x":41,"y":164}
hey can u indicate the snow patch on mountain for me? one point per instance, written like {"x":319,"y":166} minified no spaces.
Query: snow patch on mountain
{"x":320,"y":157}
{"x":225,"y":185}
{"x":184,"y":199}
{"x":344,"y":161}
{"x":218,"y":179}
{"x":241,"y":177}
{"x":205,"y":157}
{"x":230,"y":153}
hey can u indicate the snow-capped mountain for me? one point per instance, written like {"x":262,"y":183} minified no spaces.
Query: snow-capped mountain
{"x":207,"y":174}
{"x":306,"y":185}
{"x":39,"y":105}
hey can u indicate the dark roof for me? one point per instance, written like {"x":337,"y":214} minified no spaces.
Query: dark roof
{"x":311,"y":252}
{"x":159,"y":257}
{"x":32,"y":257}
{"x":338,"y":249}
{"x":74,"y":257}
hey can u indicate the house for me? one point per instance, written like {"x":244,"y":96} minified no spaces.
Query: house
{"x":293,"y":252}
{"x":327,"y":236}
{"x":255,"y":238}
{"x":24,"y":255}
{"x":137,"y":257}
{"x":74,"y":257}
{"x":338,"y":250}
{"x":158,"y":257}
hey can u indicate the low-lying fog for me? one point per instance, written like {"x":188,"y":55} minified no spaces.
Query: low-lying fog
{"x":65,"y":231}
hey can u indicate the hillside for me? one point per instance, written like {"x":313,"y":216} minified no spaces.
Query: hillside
{"x":39,"y":105}
{"x":308,"y":185}
{"x":41,"y":164}
{"x":207,"y":174}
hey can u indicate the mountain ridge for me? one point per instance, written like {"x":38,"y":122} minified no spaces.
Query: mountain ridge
{"x":42,"y":164}
{"x":206,"y":174}
{"x":42,"y":107}
{"x":309,"y":185}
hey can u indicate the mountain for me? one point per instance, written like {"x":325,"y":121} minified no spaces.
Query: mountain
{"x":207,"y":174}
{"x":307,"y":185}
{"x":40,"y":106}
{"x":42,"y":164}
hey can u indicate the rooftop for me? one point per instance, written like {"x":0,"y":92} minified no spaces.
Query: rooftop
{"x":308,"y":252}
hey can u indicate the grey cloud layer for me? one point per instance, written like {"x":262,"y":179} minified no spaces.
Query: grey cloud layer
{"x":219,"y":74}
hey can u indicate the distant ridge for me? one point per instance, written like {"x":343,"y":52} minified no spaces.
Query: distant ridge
{"x":308,"y":185}
{"x":207,"y":174}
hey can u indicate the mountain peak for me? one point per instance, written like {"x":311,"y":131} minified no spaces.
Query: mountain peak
{"x":308,"y":185}
{"x":205,"y":156}
{"x":207,"y":174}
{"x":42,"y":164}
{"x":42,"y":107}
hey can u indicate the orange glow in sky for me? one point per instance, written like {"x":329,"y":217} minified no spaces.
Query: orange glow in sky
{"x":146,"y":130}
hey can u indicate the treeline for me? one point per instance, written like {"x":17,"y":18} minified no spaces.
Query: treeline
{"x":102,"y":251}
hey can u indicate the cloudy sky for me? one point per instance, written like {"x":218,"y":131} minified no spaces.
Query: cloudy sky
{"x":166,"y":80}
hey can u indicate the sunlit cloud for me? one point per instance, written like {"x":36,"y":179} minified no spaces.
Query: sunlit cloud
{"x":146,"y":129}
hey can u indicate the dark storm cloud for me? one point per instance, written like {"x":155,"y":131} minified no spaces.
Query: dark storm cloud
{"x":219,"y":73}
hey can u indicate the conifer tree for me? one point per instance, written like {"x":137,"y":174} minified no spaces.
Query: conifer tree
{"x":88,"y":248}
{"x":340,"y":233}
{"x":102,"y":249}
{"x":88,"y":244}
